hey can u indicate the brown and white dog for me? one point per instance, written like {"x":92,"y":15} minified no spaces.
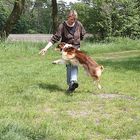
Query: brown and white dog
{"x":75,"y":57}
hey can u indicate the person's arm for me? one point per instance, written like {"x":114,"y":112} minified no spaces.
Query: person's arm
{"x":44,"y":50}
{"x":82,"y":32}
{"x":58,"y":34}
{"x":55,"y":38}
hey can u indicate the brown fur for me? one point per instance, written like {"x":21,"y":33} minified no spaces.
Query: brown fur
{"x":75,"y":56}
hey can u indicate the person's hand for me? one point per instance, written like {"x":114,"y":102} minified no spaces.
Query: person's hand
{"x":43,"y":51}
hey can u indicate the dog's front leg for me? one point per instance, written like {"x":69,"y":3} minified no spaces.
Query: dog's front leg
{"x":59,"y":61}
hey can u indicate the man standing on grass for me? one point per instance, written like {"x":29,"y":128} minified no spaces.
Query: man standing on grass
{"x":72,"y":32}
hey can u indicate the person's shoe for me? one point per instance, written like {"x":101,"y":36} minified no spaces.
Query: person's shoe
{"x":73,"y":85}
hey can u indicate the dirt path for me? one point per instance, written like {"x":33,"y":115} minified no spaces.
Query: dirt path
{"x":33,"y":37}
{"x":30,"y":37}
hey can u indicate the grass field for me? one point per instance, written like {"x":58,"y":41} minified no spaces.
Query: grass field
{"x":34,"y":106}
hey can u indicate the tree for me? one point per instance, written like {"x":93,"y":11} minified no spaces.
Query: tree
{"x":107,"y":18}
{"x":54,"y":14}
{"x":13,"y":18}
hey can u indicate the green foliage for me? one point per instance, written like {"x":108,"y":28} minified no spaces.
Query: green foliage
{"x":110,"y":18}
{"x":126,"y":20}
{"x":36,"y":16}
{"x":102,"y":18}
{"x":3,"y":15}
{"x":62,"y":11}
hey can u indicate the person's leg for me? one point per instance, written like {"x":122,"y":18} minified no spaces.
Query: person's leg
{"x":68,"y":66}
{"x":72,"y":73}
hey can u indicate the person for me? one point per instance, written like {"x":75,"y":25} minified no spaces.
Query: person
{"x":72,"y":32}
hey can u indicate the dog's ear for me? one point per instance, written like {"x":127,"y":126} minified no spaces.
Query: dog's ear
{"x":60,"y":46}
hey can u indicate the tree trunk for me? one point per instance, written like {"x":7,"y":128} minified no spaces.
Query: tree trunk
{"x":54,"y":14}
{"x":13,"y":18}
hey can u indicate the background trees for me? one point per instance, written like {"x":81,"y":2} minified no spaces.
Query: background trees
{"x":102,"y":18}
{"x":106,"y":18}
{"x":13,"y":18}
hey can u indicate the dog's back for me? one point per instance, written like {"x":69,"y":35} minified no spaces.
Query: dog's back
{"x":90,"y":65}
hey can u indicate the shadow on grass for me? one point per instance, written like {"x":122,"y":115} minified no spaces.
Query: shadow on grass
{"x":126,"y":64}
{"x":50,"y":87}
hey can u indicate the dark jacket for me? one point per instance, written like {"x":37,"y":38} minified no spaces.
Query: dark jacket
{"x":72,"y":35}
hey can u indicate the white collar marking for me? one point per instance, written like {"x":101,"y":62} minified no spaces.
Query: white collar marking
{"x":67,"y":45}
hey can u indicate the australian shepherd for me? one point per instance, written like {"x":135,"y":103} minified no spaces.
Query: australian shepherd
{"x":75,"y":57}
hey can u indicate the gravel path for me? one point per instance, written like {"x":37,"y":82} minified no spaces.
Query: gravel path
{"x":33,"y":37}
{"x":30,"y":37}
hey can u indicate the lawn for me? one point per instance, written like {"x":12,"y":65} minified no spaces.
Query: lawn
{"x":34,"y":106}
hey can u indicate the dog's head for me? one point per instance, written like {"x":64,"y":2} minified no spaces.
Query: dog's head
{"x":69,"y":53}
{"x":62,"y":45}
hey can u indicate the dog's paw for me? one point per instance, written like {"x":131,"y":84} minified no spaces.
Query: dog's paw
{"x":99,"y":86}
{"x":54,"y":62}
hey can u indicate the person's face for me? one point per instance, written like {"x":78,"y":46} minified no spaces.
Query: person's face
{"x":71,"y":20}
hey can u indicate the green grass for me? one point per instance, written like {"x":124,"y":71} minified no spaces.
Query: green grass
{"x":34,"y":106}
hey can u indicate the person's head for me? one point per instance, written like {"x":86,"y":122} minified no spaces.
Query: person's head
{"x":72,"y":17}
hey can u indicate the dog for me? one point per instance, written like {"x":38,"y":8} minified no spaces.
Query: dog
{"x":75,"y":57}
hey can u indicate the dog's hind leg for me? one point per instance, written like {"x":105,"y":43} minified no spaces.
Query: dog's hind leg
{"x":97,"y":76}
{"x":97,"y":82}
{"x":99,"y":86}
